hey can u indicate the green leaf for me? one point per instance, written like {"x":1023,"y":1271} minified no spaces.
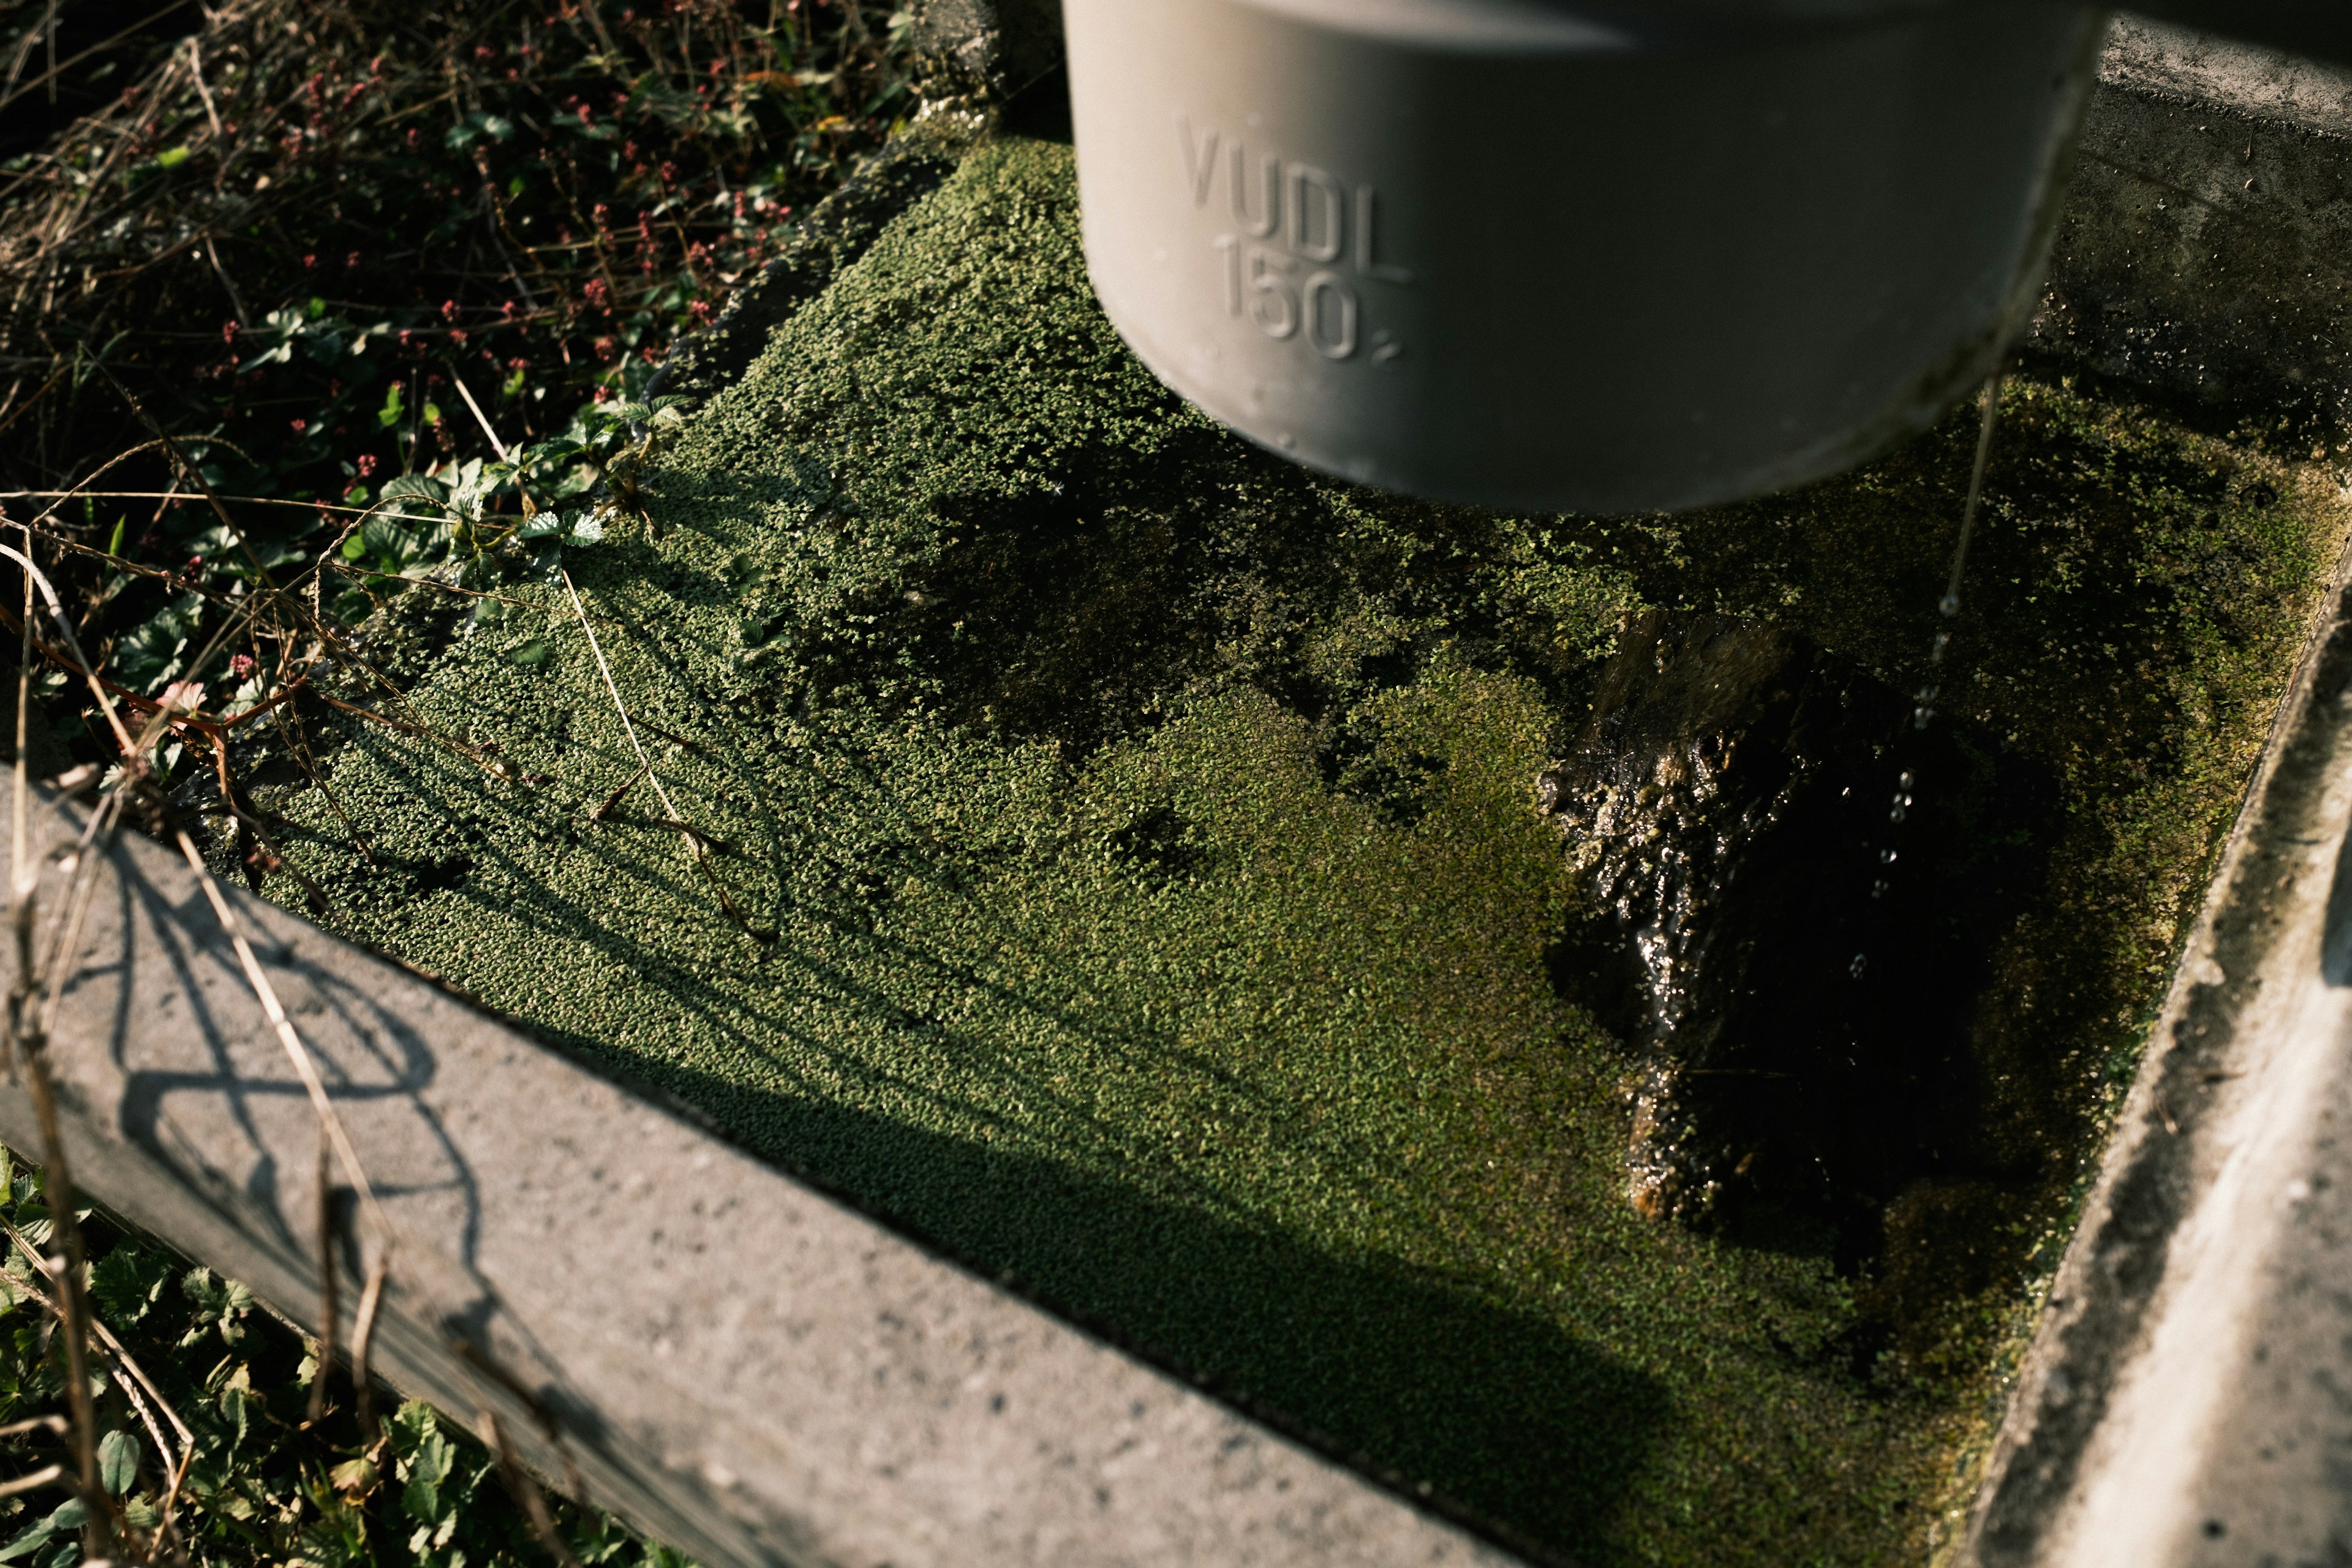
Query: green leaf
{"x":421,"y":487}
{"x":389,"y":415}
{"x":393,"y":546}
{"x":118,"y":1462}
{"x":172,"y":157}
{"x":127,"y":1281}
{"x":426,"y":1458}
{"x":70,"y":1515}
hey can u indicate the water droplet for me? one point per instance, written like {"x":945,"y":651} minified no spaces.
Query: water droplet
{"x":1886,"y":856}
{"x":1907,"y":781}
{"x":1950,"y":604}
{"x":1861,"y":963}
{"x":1897,"y":814}
{"x":1878,"y":888}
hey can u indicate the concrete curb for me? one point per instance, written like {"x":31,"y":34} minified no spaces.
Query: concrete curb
{"x":2183,"y":1401}
{"x":739,"y":1364}
{"x":2205,"y":250}
{"x":2180,"y":1402}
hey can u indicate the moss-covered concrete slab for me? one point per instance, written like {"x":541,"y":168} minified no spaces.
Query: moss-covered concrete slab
{"x":1145,"y":894}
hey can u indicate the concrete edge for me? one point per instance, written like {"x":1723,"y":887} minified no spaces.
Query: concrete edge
{"x":2113,"y":1403}
{"x":2167,"y":60}
{"x":739,"y":1364}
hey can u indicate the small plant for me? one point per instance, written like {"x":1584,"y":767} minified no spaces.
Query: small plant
{"x":263,"y":1482}
{"x":364,"y":263}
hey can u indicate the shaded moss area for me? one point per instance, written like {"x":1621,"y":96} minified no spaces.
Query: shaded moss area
{"x":1161,"y":909}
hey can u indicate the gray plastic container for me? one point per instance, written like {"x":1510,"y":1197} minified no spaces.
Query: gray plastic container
{"x":1523,"y":254}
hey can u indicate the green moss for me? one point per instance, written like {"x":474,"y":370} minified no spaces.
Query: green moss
{"x":1160,"y":910}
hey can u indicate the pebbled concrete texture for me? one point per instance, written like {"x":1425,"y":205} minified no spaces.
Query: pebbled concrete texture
{"x":739,"y":1364}
{"x":2205,"y":250}
{"x":2185,"y":1401}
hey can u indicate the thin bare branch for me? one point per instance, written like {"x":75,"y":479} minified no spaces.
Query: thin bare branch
{"x":346,"y":1156}
{"x":44,"y":1477}
{"x":692,"y":837}
{"x":363,"y":1341}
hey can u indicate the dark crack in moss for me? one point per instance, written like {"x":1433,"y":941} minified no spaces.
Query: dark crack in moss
{"x":1163,"y":905}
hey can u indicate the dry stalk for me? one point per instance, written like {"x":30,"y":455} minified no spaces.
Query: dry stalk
{"x":26,"y":1039}
{"x":131,"y":1378}
{"x":525,"y":1492}
{"x":479,"y":418}
{"x":299,"y":1054}
{"x":692,"y":837}
{"x":362,"y":1340}
{"x":329,"y":1307}
{"x":619,"y":792}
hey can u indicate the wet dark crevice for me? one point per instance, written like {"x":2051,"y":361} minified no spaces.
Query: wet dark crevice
{"x":1794,"y":898}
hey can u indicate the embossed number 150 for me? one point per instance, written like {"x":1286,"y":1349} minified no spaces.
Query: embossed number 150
{"x":1266,"y":282}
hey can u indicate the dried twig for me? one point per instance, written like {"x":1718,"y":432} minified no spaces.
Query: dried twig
{"x":132,"y":1385}
{"x":329,"y":1309}
{"x":619,"y":794}
{"x":692,"y":837}
{"x":27,"y":1040}
{"x":362,"y":1340}
{"x":525,"y":1492}
{"x":38,"y":1479}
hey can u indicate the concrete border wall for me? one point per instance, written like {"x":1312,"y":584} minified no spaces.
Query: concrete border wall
{"x":739,"y":1364}
{"x":2205,"y":250}
{"x":2184,"y":1400}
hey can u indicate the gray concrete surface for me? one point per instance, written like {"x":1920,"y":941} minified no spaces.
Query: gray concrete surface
{"x":993,"y":47}
{"x":2187,"y":1399}
{"x":739,"y":1364}
{"x":2205,"y":250}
